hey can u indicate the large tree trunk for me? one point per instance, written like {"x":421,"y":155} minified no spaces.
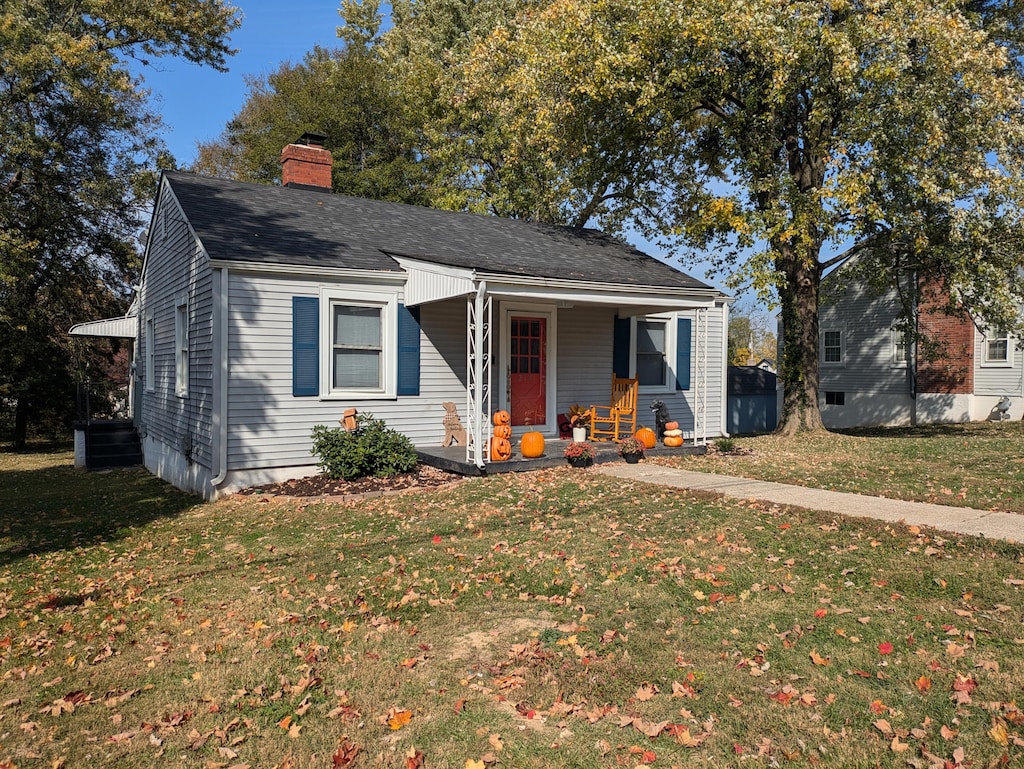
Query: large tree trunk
{"x":799,"y":370}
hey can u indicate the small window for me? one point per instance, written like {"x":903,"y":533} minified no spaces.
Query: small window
{"x":832,"y":347}
{"x":358,"y":335}
{"x":651,"y":352}
{"x":900,"y":347}
{"x":181,"y":350}
{"x":357,"y":351}
{"x":997,"y":347}
{"x":150,"y":372}
{"x":833,"y":398}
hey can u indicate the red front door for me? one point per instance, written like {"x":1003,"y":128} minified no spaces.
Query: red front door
{"x":528,"y":371}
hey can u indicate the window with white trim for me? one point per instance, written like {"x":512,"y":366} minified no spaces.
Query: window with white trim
{"x":832,"y":347}
{"x":651,"y":356}
{"x":181,"y":349}
{"x":653,"y":352}
{"x":358,"y":340}
{"x":900,"y":347}
{"x":998,"y":350}
{"x":150,"y":371}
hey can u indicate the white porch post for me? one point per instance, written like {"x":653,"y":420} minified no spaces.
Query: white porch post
{"x":700,"y":406}
{"x":478,"y":373}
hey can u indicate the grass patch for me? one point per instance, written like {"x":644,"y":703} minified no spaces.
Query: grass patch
{"x":528,"y":620}
{"x":976,"y":464}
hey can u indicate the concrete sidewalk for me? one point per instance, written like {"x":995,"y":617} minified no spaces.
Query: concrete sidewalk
{"x":961,"y":520}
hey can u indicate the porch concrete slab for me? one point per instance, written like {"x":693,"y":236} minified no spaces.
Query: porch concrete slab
{"x":960,"y":520}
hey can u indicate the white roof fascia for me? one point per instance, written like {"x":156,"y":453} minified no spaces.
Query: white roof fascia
{"x":109,"y":328}
{"x":365,"y":276}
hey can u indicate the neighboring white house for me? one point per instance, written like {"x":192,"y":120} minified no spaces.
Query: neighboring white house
{"x":264,"y":311}
{"x":870,"y":375}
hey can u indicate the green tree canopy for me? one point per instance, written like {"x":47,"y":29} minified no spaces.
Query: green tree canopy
{"x":77,"y":160}
{"x":780,"y":138}
{"x":343,"y":94}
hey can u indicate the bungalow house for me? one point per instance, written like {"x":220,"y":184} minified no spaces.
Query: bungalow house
{"x":266,"y":310}
{"x":870,"y":375}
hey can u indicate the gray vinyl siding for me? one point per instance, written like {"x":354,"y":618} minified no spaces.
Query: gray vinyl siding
{"x":177,"y":268}
{"x":867,"y":368}
{"x":584,"y":366}
{"x":269,"y":427}
{"x":994,"y":379}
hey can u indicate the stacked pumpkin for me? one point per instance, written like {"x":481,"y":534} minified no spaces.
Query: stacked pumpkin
{"x":501,"y":443}
{"x":672,"y":436}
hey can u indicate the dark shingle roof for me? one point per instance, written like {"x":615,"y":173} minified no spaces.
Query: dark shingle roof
{"x":750,"y":380}
{"x":277,"y":225}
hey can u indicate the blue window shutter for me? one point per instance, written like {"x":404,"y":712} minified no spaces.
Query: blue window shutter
{"x":305,"y":345}
{"x":620,"y":347}
{"x":408,"y":350}
{"x":683,"y":363}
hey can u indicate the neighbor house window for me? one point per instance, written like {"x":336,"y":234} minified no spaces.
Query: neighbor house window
{"x":833,"y":398}
{"x":359,"y":333}
{"x":997,"y":347}
{"x":181,"y":349}
{"x":900,"y":347}
{"x":150,"y":371}
{"x":832,"y":347}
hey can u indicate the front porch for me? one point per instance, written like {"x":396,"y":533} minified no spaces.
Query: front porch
{"x":453,"y":458}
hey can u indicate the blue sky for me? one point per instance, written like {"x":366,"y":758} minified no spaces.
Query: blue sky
{"x":197,"y":102}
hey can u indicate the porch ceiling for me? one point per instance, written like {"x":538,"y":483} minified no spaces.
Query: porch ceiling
{"x":428,"y":282}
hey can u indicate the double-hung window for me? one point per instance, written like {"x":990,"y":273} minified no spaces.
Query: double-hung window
{"x":998,"y":350}
{"x":652,"y":336}
{"x":181,"y":349}
{"x":358,"y":340}
{"x":900,"y":348}
{"x":832,"y":347}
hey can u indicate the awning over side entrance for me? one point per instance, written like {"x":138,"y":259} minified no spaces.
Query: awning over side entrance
{"x":109,"y":328}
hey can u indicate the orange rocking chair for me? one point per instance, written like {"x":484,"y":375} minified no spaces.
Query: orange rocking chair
{"x":618,"y":420}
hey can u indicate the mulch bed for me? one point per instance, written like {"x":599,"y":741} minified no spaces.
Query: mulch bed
{"x":423,"y":477}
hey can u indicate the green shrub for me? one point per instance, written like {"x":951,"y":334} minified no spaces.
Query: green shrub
{"x":726,"y":445}
{"x":371,"y":449}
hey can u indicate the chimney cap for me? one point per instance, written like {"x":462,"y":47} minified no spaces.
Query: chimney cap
{"x":312,"y":139}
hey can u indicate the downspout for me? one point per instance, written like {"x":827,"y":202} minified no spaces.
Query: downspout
{"x":220,"y":378}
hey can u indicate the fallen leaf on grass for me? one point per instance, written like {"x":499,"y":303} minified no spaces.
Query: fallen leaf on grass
{"x":344,"y":755}
{"x":413,"y":758}
{"x":883,"y":726}
{"x":396,"y":718}
{"x":817,"y":659}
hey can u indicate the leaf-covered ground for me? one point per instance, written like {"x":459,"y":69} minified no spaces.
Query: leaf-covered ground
{"x":979,"y":464}
{"x":559,"y":618}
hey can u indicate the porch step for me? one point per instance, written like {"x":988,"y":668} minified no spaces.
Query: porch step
{"x":112,"y":443}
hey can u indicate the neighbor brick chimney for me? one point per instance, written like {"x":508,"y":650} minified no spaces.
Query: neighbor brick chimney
{"x":306,"y":164}
{"x":951,"y":371}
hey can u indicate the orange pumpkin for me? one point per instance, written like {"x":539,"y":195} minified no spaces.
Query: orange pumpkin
{"x":671,"y":425}
{"x":501,"y":449}
{"x":646,"y":436}
{"x":532,"y":445}
{"x":502,"y":417}
{"x":503,"y":431}
{"x":673,"y":440}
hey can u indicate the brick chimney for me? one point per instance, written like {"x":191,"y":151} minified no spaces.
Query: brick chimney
{"x":306,"y":164}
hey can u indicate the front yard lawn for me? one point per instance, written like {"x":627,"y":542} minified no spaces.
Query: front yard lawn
{"x":551,"y":619}
{"x":979,"y":465}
